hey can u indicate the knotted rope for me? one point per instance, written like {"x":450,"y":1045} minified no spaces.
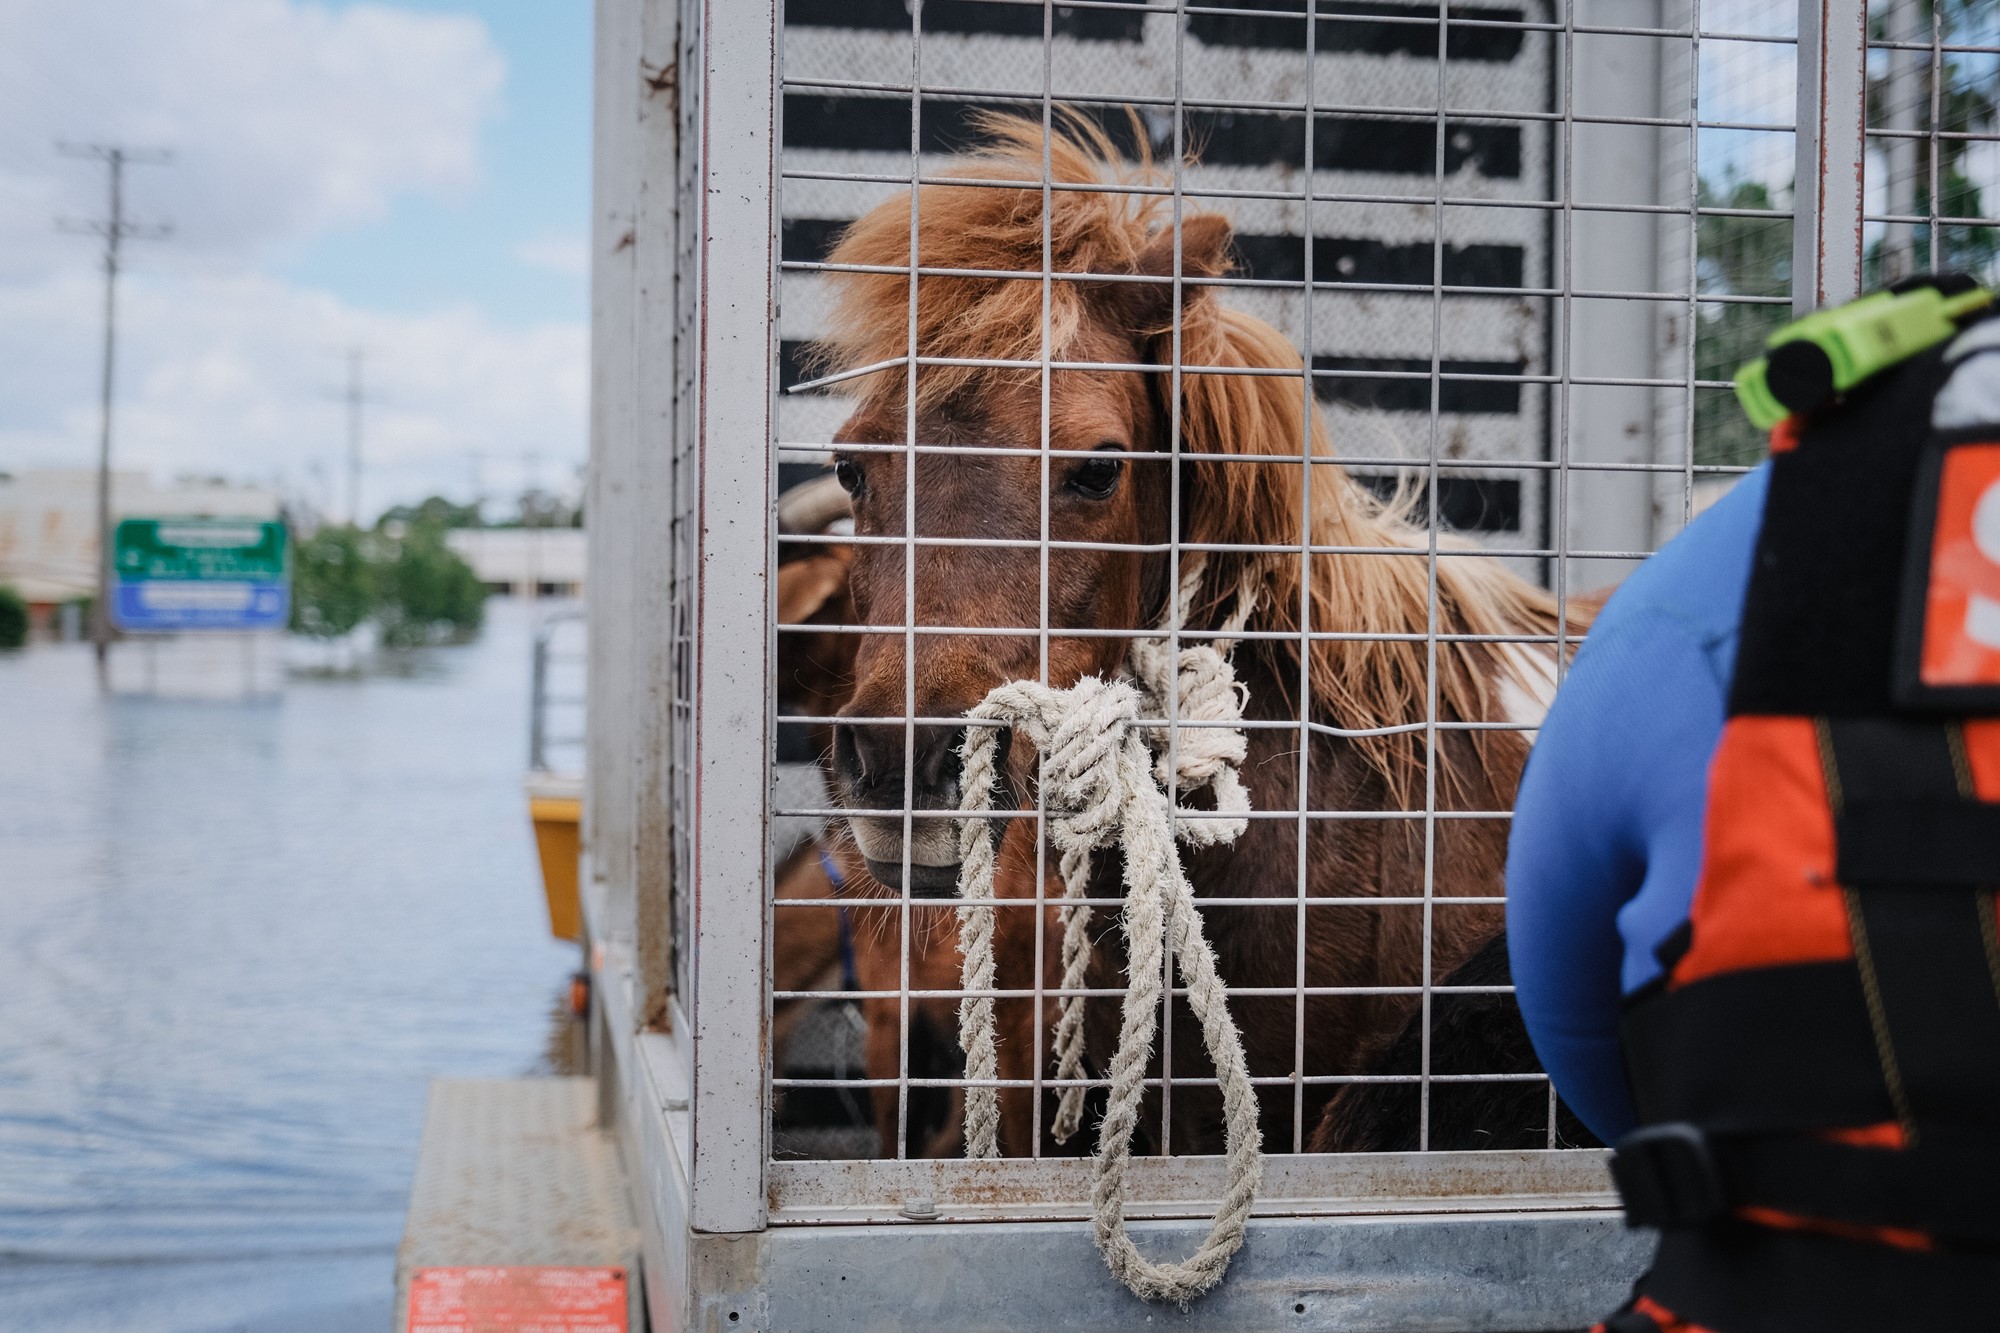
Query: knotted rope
{"x":1103,"y":785}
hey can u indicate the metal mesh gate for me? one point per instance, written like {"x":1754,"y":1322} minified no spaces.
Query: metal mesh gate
{"x":1505,"y":255}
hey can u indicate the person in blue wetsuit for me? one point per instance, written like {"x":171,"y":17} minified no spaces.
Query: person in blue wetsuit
{"x":1607,"y":834}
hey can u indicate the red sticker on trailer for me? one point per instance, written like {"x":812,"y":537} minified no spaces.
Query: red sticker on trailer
{"x":1961,"y":640}
{"x":518,"y":1300}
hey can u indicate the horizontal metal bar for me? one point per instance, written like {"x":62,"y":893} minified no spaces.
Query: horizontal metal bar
{"x":1192,"y":1081}
{"x":819,"y":448}
{"x":1373,"y":111}
{"x":1925,"y":219}
{"x":1118,"y":993}
{"x":1958,"y":136}
{"x":1254,"y":372}
{"x":894,"y":903}
{"x":1239,"y":548}
{"x":842,"y":812}
{"x":1943,"y":48}
{"x":1278,"y":285}
{"x":1157,"y":723}
{"x":1343,"y":461}
{"x":1282,"y":196}
{"x":1455,"y":21}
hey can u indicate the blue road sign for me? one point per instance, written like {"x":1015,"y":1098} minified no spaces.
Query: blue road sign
{"x":196,"y":574}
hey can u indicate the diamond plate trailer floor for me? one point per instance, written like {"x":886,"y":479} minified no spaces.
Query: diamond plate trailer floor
{"x":516,"y":1174}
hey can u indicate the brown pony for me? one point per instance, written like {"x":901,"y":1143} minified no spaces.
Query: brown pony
{"x":1113,"y":503}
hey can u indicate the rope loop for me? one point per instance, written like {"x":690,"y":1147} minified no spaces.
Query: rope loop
{"x":1107,"y":765}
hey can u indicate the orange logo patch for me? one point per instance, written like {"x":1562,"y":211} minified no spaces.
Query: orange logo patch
{"x":1962,"y":600}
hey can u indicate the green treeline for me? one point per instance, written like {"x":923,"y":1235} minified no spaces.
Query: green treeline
{"x":400,"y":575}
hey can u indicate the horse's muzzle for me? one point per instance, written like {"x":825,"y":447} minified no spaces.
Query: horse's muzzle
{"x":925,"y":881}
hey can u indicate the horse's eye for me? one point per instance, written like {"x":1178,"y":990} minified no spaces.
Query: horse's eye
{"x":1096,"y":479}
{"x":848,"y":473}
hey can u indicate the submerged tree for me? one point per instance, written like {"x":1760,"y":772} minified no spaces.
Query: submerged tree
{"x":333,"y":582}
{"x":429,"y":593}
{"x":402,"y":576}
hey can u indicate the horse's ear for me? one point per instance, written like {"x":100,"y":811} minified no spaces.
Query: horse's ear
{"x":1204,"y":252}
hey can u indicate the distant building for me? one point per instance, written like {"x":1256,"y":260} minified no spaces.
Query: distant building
{"x":526,"y":562}
{"x":48,"y":522}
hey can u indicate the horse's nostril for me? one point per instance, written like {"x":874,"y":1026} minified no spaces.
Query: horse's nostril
{"x":868,"y":757}
{"x":846,"y":756}
{"x":937,"y":758}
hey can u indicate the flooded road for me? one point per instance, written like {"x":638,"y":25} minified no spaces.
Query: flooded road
{"x":236,"y":941}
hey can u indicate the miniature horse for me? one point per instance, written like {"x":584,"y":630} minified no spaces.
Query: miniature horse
{"x":1112,"y":494}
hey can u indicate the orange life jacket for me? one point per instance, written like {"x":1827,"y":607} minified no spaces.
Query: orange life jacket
{"x":1817,"y":1071}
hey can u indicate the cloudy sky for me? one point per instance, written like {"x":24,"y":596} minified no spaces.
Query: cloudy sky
{"x":410,"y":178}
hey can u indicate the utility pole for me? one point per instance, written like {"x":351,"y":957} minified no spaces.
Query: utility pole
{"x":115,"y":230}
{"x":477,"y":459}
{"x":355,"y":398}
{"x":531,"y":468}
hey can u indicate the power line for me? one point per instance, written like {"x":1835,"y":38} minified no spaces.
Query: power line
{"x":115,"y":231}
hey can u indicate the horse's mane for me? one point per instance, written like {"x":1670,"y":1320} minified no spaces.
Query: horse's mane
{"x":1356,"y":683}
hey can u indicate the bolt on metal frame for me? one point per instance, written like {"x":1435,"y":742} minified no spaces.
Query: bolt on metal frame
{"x":727,"y":427}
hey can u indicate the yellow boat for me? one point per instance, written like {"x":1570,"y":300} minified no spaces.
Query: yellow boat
{"x":555,"y":803}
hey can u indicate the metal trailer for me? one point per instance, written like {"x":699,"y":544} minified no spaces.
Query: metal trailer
{"x":1637,"y":150}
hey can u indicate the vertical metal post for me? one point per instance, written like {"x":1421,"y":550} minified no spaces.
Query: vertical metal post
{"x":1612,"y":88}
{"x":1903,"y":97}
{"x":615,"y":519}
{"x":1832,"y":120}
{"x":100,"y":610}
{"x":656,"y":426}
{"x":538,"y":691}
{"x":733,"y":612}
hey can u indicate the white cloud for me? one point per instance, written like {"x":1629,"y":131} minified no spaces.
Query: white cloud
{"x":567,"y":255}
{"x":287,"y":119}
{"x":238,"y":375}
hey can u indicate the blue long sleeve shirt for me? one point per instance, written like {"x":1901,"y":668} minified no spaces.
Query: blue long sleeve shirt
{"x":1607,"y":836}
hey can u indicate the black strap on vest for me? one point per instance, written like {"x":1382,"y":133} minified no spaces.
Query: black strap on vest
{"x":1749,"y":1052}
{"x":1923,"y":941}
{"x":1676,"y":1176}
{"x":1819,"y":616}
{"x":1751,"y":1279}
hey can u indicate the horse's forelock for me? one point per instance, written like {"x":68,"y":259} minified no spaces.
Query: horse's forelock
{"x":994,"y":229}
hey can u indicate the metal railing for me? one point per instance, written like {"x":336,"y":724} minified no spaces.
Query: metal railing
{"x":556,"y":699}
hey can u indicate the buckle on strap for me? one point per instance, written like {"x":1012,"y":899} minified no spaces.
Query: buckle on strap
{"x":1667,"y":1177}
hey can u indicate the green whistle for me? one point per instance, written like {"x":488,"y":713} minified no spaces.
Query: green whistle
{"x":1815,"y":359}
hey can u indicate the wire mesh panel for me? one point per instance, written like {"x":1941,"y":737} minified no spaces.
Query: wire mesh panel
{"x":1932,"y":168}
{"x":1366,"y":347}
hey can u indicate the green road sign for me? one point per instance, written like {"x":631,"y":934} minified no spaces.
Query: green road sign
{"x":206,"y":549}
{"x":199,"y":574}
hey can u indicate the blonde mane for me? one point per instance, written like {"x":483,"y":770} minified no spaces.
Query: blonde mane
{"x":1356,"y":683}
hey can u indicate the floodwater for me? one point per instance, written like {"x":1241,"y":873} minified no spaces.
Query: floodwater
{"x":237,"y":939}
